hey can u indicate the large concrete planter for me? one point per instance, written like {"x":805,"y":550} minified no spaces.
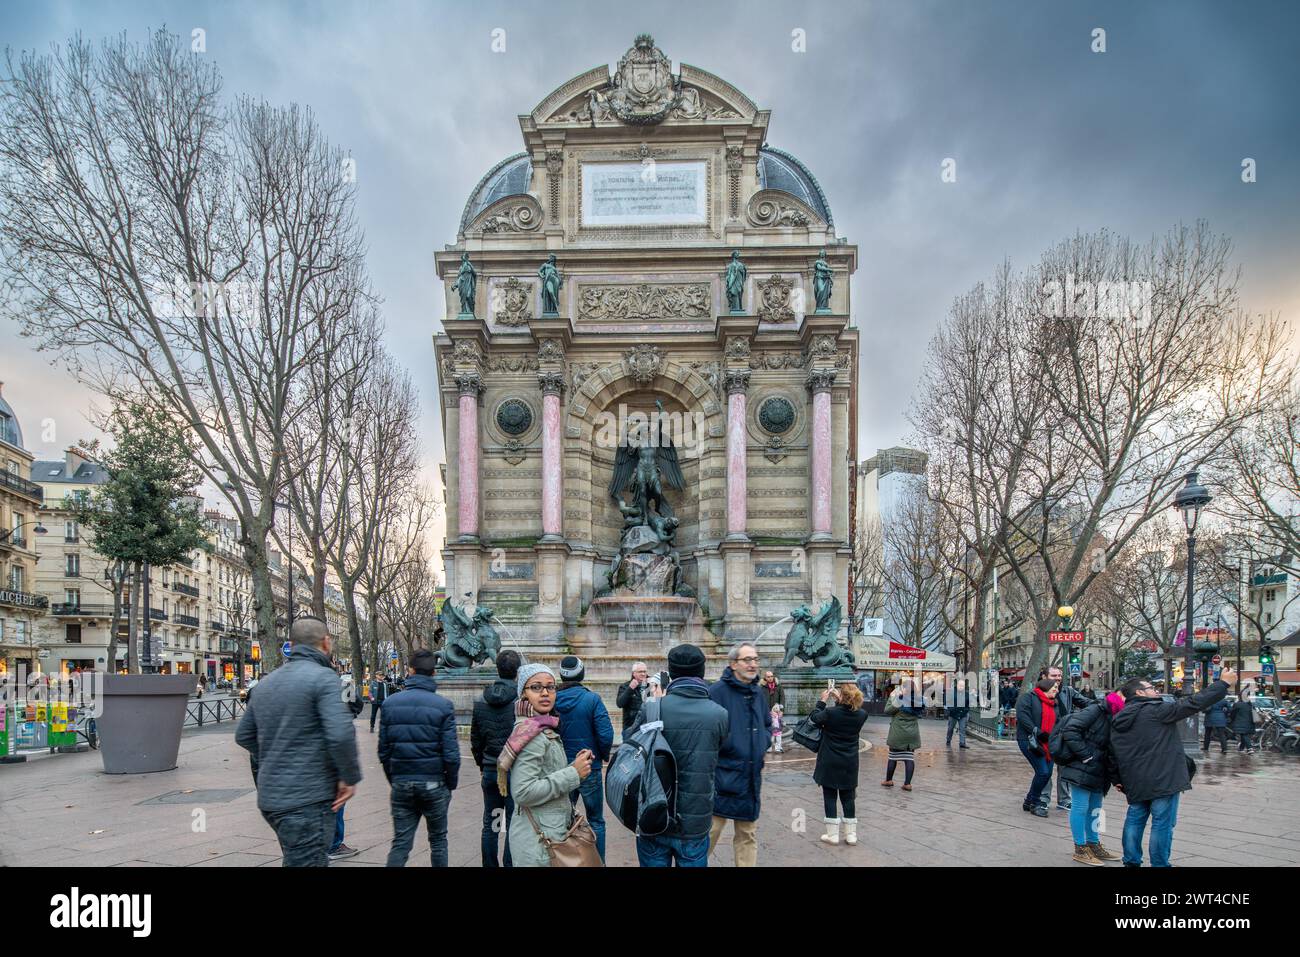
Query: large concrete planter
{"x":140,"y":726}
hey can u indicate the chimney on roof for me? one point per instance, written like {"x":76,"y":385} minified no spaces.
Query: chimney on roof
{"x":73,"y":459}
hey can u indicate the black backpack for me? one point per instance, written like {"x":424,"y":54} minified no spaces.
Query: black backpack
{"x":641,"y":783}
{"x":1061,"y":752}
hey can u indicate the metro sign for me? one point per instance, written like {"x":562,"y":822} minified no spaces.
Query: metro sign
{"x":1065,"y":637}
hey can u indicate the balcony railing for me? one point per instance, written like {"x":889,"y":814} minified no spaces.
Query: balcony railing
{"x":216,"y":625}
{"x":71,"y":539}
{"x":12,"y":598}
{"x":157,"y":615}
{"x":185,"y":589}
{"x":25,"y":488}
{"x":12,"y":540}
{"x":187,"y":621}
{"x":72,"y":573}
{"x":73,"y":609}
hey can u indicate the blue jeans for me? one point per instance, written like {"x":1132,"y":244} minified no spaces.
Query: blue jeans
{"x":338,"y":830}
{"x":592,"y":790}
{"x":494,"y":823}
{"x":1042,"y":766}
{"x":1084,"y":806}
{"x":1164,"y":815}
{"x":410,"y":801}
{"x":961,"y":728}
{"x":660,"y":851}
{"x":303,"y":833}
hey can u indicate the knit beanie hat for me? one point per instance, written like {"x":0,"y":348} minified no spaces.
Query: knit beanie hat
{"x":571,"y":668}
{"x":528,"y":671}
{"x":686,"y":661}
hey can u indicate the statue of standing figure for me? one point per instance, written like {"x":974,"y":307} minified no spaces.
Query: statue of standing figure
{"x":551,"y":280}
{"x":735,"y":278}
{"x":466,"y":283}
{"x":823,"y":282}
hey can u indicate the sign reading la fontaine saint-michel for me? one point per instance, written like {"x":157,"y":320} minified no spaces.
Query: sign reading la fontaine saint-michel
{"x":655,"y":193}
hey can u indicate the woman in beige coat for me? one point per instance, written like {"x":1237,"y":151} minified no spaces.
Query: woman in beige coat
{"x":538,"y":774}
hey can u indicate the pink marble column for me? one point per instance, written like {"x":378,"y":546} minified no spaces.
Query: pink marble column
{"x":820,"y":382}
{"x":552,"y":384}
{"x":470,"y":385}
{"x":737,"y":488}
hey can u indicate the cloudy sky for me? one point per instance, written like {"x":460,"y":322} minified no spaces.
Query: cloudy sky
{"x":1048,"y":136}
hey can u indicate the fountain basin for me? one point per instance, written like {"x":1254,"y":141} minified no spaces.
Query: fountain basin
{"x":646,"y":624}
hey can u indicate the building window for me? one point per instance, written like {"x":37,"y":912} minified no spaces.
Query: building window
{"x":70,"y":531}
{"x":72,"y":634}
{"x":16,"y":578}
{"x":72,"y":565}
{"x":72,"y":596}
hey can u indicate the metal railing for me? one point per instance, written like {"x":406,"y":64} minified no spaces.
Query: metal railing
{"x":185,"y":589}
{"x":13,"y":540}
{"x":186,"y":621}
{"x":200,"y":712}
{"x":16,"y":483}
{"x":73,"y":609}
{"x":157,"y":615}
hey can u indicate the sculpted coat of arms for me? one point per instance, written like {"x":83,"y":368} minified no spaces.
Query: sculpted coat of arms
{"x":643,"y":89}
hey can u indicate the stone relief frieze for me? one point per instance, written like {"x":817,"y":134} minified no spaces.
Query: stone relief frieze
{"x":643,"y":301}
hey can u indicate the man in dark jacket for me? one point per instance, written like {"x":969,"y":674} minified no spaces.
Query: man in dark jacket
{"x":378,"y":694}
{"x":585,"y":725}
{"x":740,"y":765}
{"x":958,"y":703}
{"x":1216,"y":725}
{"x":1241,"y":720}
{"x":489,"y":729}
{"x":631,"y":695}
{"x":303,"y":746}
{"x":694,"y":728}
{"x":1068,"y":700}
{"x":1153,"y":769}
{"x":421,"y":758}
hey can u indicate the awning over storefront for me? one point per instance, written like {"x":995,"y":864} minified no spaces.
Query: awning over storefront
{"x":881,"y":654}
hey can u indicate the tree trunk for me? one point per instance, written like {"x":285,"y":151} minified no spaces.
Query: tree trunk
{"x":118,"y":576}
{"x":263,"y":596}
{"x":133,"y":622}
{"x":354,"y":627}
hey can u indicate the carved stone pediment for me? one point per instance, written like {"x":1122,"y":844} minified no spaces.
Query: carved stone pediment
{"x":772,"y":207}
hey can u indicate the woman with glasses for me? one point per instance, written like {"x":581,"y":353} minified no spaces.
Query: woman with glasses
{"x":533,"y":770}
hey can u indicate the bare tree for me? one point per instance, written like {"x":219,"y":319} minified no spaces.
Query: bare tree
{"x":866,"y":573}
{"x":399,"y":566}
{"x":165,"y":245}
{"x":915,"y":572}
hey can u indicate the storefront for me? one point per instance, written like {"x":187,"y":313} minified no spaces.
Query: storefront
{"x":887,"y":663}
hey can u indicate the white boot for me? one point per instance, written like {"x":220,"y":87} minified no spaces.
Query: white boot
{"x":850,"y":831}
{"x":832,"y":835}
{"x":778,"y":747}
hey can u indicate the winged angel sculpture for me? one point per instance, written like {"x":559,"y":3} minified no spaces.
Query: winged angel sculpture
{"x":470,"y":639}
{"x":647,"y":460}
{"x":813,"y":637}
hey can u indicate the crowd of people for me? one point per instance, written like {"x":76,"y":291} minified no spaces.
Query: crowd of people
{"x":542,"y":741}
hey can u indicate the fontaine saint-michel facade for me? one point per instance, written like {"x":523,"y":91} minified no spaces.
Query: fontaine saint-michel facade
{"x":647,"y":376}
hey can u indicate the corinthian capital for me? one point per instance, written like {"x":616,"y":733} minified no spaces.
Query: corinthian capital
{"x":551,"y":383}
{"x":469,"y":383}
{"x":820,"y":380}
{"x":737,"y":381}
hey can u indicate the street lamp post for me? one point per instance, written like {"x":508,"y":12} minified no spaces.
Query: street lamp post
{"x":1191,"y":498}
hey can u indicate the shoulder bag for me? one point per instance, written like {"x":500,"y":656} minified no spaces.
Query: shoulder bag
{"x":578,"y":846}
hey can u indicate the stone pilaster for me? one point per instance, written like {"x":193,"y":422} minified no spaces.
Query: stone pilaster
{"x":820,"y":382}
{"x":470,"y":386}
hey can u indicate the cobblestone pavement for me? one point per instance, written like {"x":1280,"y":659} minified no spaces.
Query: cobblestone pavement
{"x":965,"y":810}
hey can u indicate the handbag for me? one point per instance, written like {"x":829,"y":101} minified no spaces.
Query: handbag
{"x":578,"y":846}
{"x":808,"y":734}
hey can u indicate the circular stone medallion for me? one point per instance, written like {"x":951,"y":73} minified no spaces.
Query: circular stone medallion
{"x":514,"y":417}
{"x":776,"y":415}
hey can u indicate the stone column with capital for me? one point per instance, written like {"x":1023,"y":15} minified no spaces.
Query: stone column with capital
{"x":469,"y":384}
{"x":552,"y":386}
{"x":819,"y":383}
{"x":737,"y":382}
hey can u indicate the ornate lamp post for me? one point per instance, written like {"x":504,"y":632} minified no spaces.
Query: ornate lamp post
{"x":1191,"y":498}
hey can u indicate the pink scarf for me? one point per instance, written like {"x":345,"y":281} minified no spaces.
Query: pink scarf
{"x":524,"y":731}
{"x":1116,"y":702}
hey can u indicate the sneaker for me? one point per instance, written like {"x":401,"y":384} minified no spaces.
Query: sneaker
{"x":964,"y":747}
{"x":1063,"y":806}
{"x":1101,"y":854}
{"x":1084,"y":856}
{"x":1036,"y":809}
{"x":343,"y":851}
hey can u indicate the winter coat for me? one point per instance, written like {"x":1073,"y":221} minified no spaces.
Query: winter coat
{"x":1241,"y":717}
{"x":417,"y":735}
{"x":379,"y":691}
{"x":740,"y":765}
{"x":1217,"y":716}
{"x":1087,"y":739}
{"x":1029,"y":720}
{"x":584,"y":723}
{"x":904,"y":729}
{"x":490,"y":724}
{"x":1008,"y":697}
{"x":837,"y":758}
{"x":540,"y":780}
{"x":299,"y":733}
{"x":630,"y":700}
{"x":775,"y":696}
{"x":694,"y":728}
{"x":1148,"y":750}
